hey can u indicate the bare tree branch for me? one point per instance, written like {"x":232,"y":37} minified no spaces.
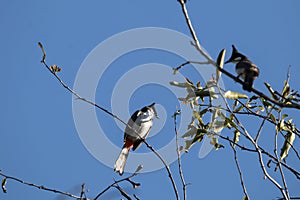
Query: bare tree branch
{"x":279,"y":161}
{"x":249,"y":137}
{"x":41,"y":187}
{"x":250,"y":112}
{"x":189,"y":62}
{"x":115,"y":184}
{"x":262,"y":124}
{"x":211,"y":61}
{"x":259,"y":152}
{"x":178,"y":155}
{"x":54,"y":73}
{"x":240,"y":171}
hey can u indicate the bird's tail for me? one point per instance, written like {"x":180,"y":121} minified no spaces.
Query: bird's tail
{"x":249,"y":78}
{"x":121,"y":161}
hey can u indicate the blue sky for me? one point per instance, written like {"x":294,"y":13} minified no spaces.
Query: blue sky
{"x":39,"y":140}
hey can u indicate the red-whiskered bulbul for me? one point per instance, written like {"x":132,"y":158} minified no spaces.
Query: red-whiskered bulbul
{"x":136,"y":131}
{"x":245,"y":69}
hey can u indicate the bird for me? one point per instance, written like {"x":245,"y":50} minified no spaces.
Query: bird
{"x":136,"y":131}
{"x":245,"y":69}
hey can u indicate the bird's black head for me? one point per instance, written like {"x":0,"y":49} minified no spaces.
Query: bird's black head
{"x":153,"y":109}
{"x":235,"y":56}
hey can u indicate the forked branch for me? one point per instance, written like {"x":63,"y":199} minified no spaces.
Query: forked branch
{"x":54,"y":71}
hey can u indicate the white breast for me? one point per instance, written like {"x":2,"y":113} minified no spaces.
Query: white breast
{"x":142,"y":125}
{"x":240,"y":71}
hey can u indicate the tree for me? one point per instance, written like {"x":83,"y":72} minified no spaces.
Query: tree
{"x":270,"y":108}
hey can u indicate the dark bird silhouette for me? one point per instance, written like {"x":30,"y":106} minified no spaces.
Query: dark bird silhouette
{"x":245,"y":69}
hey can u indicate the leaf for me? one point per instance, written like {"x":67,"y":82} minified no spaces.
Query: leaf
{"x":188,"y":145}
{"x":191,"y":132}
{"x":190,"y":83}
{"x":218,"y":126}
{"x":235,"y":95}
{"x":4,"y":181}
{"x":138,"y":169}
{"x":217,"y":120}
{"x":220,"y":63}
{"x":235,"y":104}
{"x":286,"y":89}
{"x":238,"y":109}
{"x":181,"y":85}
{"x":175,"y":70}
{"x":245,"y":198}
{"x":271,"y":91}
{"x":210,"y":85}
{"x":198,"y":117}
{"x":289,"y":139}
{"x":284,"y":116}
{"x":43,"y":50}
{"x":273,"y":118}
{"x":199,"y":136}
{"x":281,"y":125}
{"x":198,"y":85}
{"x":266,"y":103}
{"x":254,"y":97}
{"x":261,"y":108}
{"x":214,"y":142}
{"x":236,"y":137}
{"x":202,"y":92}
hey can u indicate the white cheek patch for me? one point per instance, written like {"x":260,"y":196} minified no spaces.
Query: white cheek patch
{"x":147,"y":116}
{"x":237,"y":59}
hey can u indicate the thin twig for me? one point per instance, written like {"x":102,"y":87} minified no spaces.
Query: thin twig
{"x":261,"y":159}
{"x":250,"y":112}
{"x":114,"y":183}
{"x":190,"y":62}
{"x":193,"y":33}
{"x":111,"y":114}
{"x":82,"y":193}
{"x":288,"y":74}
{"x":240,"y":171}
{"x":41,"y":187}
{"x":233,"y":148}
{"x":262,"y":124}
{"x":292,"y":146}
{"x":178,"y":155}
{"x":295,"y":172}
{"x":249,"y":137}
{"x":292,"y":170}
{"x":279,"y":161}
{"x":167,"y":168}
{"x":211,"y":61}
